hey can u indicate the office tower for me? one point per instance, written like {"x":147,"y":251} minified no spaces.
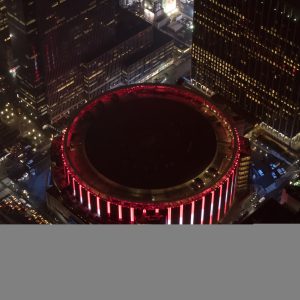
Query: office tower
{"x":4,"y":39}
{"x":50,"y":39}
{"x":249,"y":52}
{"x":71,"y":52}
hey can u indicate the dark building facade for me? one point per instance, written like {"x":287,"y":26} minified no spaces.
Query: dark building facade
{"x":243,"y":179}
{"x":5,"y":54}
{"x":69,"y":52}
{"x":249,"y":52}
{"x":149,"y":61}
{"x":49,"y":39}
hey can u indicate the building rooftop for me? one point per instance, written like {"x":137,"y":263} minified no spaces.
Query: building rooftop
{"x":159,"y":40}
{"x":127,"y":26}
{"x":150,"y":143}
{"x":144,"y":142}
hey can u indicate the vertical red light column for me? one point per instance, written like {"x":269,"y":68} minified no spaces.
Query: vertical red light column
{"x":74,"y":187}
{"x":80,"y":193}
{"x":235,"y":182}
{"x":169,"y":215}
{"x":231,"y":188}
{"x":131,"y":214}
{"x":226,"y":195}
{"x":89,"y":200}
{"x":108,"y":208}
{"x":212,"y":207}
{"x":98,"y":206}
{"x":181,"y":214}
{"x":202,"y":209}
{"x":192,"y":212}
{"x":220,"y":201}
{"x":120,"y":216}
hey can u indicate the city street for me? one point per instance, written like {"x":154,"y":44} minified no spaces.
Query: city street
{"x":271,"y":171}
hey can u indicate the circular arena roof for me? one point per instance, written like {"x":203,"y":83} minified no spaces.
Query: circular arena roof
{"x":146,"y":143}
{"x":150,"y":143}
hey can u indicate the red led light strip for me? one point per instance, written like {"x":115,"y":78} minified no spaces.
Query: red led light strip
{"x":108,"y":207}
{"x":181,"y":214}
{"x":131,"y":214}
{"x":231,"y":189}
{"x":226,"y":197}
{"x":74,"y":188}
{"x":220,"y":200}
{"x":193,"y":212}
{"x":80,"y":193}
{"x":169,"y":215}
{"x":212,"y":206}
{"x":98,"y":206}
{"x":120,"y":212}
{"x":89,"y":199}
{"x":202,"y":209}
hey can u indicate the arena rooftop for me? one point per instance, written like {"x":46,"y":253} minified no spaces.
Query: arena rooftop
{"x":148,"y":143}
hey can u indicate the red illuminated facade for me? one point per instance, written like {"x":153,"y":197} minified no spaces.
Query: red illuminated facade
{"x":93,"y":198}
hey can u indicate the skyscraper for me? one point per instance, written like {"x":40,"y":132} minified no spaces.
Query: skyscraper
{"x":249,"y":52}
{"x":69,"y":52}
{"x":50,"y":39}
{"x":4,"y":38}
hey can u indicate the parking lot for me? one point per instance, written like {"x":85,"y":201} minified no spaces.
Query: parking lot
{"x":266,"y":168}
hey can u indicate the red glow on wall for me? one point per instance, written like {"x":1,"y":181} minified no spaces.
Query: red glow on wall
{"x":226,"y":196}
{"x":89,"y":200}
{"x":108,"y":207}
{"x":36,"y":70}
{"x":80,"y":193}
{"x":74,"y":188}
{"x":131,"y":214}
{"x":192,"y":212}
{"x":98,"y":206}
{"x":120,"y":212}
{"x":212,"y":206}
{"x":181,"y":214}
{"x":144,"y":212}
{"x":220,"y":201}
{"x":157,"y":211}
{"x":231,"y":189}
{"x":202,"y":209}
{"x":169,"y":216}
